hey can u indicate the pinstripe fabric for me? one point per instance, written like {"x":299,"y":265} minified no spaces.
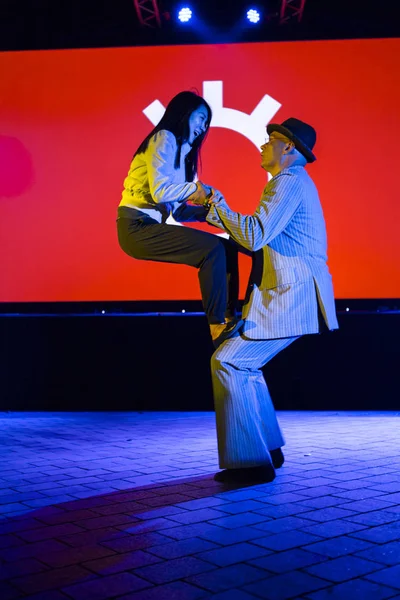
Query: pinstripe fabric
{"x":247,"y":427}
{"x":290,"y":276}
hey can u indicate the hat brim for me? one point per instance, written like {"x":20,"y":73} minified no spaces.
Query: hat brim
{"x":299,"y":145}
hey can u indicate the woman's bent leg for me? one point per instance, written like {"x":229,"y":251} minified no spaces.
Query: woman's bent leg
{"x":146,"y":239}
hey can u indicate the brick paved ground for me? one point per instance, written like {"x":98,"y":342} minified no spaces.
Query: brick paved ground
{"x":123,"y":505}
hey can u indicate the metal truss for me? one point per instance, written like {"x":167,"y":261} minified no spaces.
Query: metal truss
{"x":291,"y":9}
{"x":148,"y":13}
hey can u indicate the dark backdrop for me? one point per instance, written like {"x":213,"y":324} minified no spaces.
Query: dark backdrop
{"x":41,"y":24}
{"x":162,"y":363}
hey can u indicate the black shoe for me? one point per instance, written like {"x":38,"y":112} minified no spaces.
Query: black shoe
{"x":230,"y":330}
{"x":251,"y":474}
{"x":277,"y":458}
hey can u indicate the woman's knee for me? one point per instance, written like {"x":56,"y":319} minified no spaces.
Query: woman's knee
{"x":215,"y":250}
{"x":130,"y":247}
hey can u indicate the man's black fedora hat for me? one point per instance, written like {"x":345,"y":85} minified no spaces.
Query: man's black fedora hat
{"x":301,"y":134}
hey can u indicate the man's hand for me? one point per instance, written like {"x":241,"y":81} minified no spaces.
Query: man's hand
{"x":200,"y":196}
{"x":215,"y":197}
{"x":205,"y":195}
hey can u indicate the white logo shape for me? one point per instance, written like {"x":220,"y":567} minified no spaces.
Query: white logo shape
{"x":250,"y":126}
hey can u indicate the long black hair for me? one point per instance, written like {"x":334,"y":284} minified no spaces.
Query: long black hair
{"x":176,"y":120}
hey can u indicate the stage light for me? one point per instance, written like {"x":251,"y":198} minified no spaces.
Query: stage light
{"x":185,"y":14}
{"x":253,"y":15}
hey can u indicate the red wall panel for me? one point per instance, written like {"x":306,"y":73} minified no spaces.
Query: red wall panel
{"x":71,"y":120}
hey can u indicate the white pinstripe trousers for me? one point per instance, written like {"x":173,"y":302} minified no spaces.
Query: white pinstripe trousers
{"x":247,"y":427}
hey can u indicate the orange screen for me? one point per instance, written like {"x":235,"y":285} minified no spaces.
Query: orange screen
{"x":71,"y":120}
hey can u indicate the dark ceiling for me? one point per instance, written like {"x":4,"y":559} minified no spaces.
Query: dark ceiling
{"x":42,"y":24}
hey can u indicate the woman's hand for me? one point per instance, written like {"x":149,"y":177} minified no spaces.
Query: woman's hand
{"x":205,"y":195}
{"x":200,"y":196}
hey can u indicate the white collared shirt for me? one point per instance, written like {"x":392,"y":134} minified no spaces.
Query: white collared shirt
{"x":153,"y":185}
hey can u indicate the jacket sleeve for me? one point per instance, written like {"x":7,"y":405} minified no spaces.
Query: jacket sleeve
{"x":160,"y":159}
{"x":280,"y":200}
{"x":188,"y":213}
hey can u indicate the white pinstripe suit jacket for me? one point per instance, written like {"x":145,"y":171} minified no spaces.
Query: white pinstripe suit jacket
{"x":290,"y":277}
